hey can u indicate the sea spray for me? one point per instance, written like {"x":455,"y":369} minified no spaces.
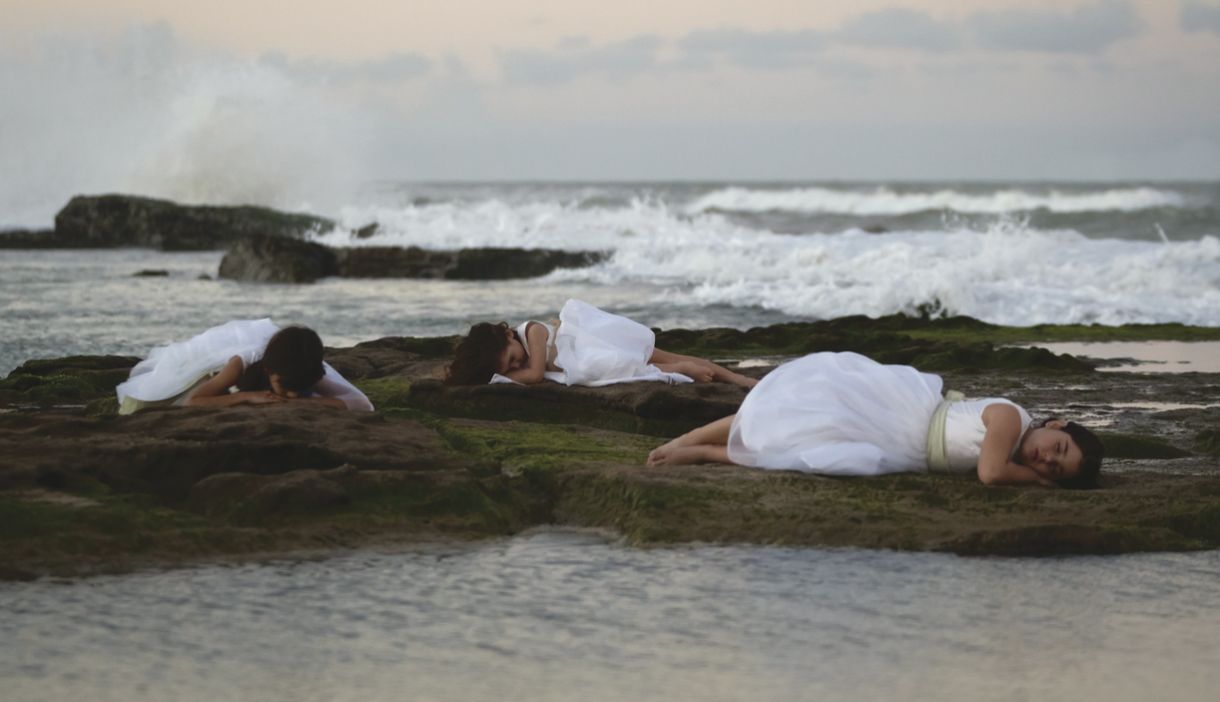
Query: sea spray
{"x":999,"y":269}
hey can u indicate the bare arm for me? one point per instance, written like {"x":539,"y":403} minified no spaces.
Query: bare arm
{"x":215,"y":392}
{"x":1003,"y":424}
{"x":333,"y":390}
{"x":535,"y":340}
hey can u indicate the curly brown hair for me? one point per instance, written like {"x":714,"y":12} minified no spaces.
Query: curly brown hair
{"x":476,"y":355}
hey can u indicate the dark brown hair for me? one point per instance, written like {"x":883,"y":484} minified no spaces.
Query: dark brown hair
{"x":476,"y":355}
{"x":294,"y":354}
{"x":1091,"y":453}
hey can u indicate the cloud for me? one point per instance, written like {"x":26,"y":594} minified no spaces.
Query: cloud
{"x":1200,"y":17}
{"x":901,"y":28}
{"x":392,"y":68}
{"x":778,"y":49}
{"x":1087,"y":29}
{"x":574,"y":57}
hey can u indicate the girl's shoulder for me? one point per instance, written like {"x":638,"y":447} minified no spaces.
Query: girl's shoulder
{"x":523,"y":329}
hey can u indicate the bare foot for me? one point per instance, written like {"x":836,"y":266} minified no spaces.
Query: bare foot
{"x":668,"y":455}
{"x":696,"y":371}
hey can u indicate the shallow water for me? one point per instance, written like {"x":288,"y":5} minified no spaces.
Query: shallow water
{"x":1148,"y":356}
{"x":562,"y":615}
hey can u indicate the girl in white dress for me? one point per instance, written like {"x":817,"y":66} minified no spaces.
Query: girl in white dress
{"x":845,"y":414}
{"x":239,"y":362}
{"x":585,"y":346}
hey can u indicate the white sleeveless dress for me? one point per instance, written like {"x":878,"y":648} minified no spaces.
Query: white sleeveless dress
{"x":846,"y":414}
{"x":171,"y":371}
{"x":593,"y":347}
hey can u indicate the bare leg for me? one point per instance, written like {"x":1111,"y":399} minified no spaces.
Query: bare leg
{"x":713,"y":437}
{"x":683,"y":455}
{"x":702,"y":367}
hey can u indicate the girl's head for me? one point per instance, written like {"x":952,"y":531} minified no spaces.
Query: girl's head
{"x":487,"y":349}
{"x":291,"y":364}
{"x":1063,"y":452}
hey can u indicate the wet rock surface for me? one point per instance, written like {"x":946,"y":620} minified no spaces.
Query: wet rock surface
{"x":108,"y":221}
{"x":275,"y":259}
{"x":279,"y":260}
{"x":83,"y":490}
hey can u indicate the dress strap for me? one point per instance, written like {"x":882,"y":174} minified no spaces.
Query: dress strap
{"x":936,"y":454}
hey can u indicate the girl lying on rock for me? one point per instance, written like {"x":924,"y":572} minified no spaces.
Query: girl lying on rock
{"x":240,"y":362}
{"x":585,"y":346}
{"x":845,"y":414}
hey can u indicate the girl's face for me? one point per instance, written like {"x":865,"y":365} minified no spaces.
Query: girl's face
{"x":512,"y":357}
{"x":1050,"y":452}
{"x":278,"y":388}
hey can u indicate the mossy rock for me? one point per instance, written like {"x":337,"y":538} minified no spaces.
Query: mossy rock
{"x":70,"y":380}
{"x":1139,"y":447}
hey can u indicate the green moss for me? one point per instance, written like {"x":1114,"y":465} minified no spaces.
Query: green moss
{"x":127,"y":518}
{"x":525,"y":446}
{"x":1139,"y":447}
{"x":864,"y":334}
{"x":387,"y":393}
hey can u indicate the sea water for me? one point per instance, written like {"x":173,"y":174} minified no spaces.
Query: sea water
{"x":680,"y":255}
{"x":567,"y":615}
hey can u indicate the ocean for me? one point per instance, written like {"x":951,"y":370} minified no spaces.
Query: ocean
{"x":560,"y":615}
{"x":682,"y":255}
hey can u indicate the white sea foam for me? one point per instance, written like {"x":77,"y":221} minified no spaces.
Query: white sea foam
{"x":884,"y":201}
{"x":1007,"y":273}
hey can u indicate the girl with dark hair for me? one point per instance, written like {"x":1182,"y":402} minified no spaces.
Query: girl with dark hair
{"x":845,"y":414}
{"x":239,"y":362}
{"x":585,"y":346}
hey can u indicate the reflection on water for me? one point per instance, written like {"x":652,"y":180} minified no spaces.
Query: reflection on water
{"x":1148,"y":356}
{"x":561,"y":616}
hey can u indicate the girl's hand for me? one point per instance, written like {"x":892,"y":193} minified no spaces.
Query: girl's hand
{"x":265,"y":397}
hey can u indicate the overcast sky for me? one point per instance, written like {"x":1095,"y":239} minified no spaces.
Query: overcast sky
{"x":128,"y":90}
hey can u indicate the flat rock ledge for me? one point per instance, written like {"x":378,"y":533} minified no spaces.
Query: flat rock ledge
{"x":83,"y":490}
{"x":275,"y":259}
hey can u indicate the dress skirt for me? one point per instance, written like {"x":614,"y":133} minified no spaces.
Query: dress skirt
{"x":598,"y":348}
{"x":173,"y":369}
{"x":837,"y":414}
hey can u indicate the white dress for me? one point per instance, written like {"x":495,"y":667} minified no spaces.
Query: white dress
{"x":171,"y":371}
{"x":846,"y":414}
{"x":592,"y":347}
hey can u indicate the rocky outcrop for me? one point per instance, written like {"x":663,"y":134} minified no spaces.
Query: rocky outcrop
{"x":83,"y":490}
{"x":273,"y":259}
{"x":30,"y":239}
{"x":108,"y":221}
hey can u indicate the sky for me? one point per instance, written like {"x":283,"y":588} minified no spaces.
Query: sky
{"x":266,"y":100}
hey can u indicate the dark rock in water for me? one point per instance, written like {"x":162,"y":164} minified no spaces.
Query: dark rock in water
{"x":465,"y":264}
{"x":203,"y":276}
{"x":29,"y":239}
{"x":151,"y":273}
{"x":123,"y":220}
{"x":874,"y":229}
{"x":366,"y":231}
{"x":1208,"y":441}
{"x":391,"y":262}
{"x":276,"y":259}
{"x":497,"y":264}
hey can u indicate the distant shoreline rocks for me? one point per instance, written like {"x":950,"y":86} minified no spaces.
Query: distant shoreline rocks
{"x":265,"y":245}
{"x":270,"y":259}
